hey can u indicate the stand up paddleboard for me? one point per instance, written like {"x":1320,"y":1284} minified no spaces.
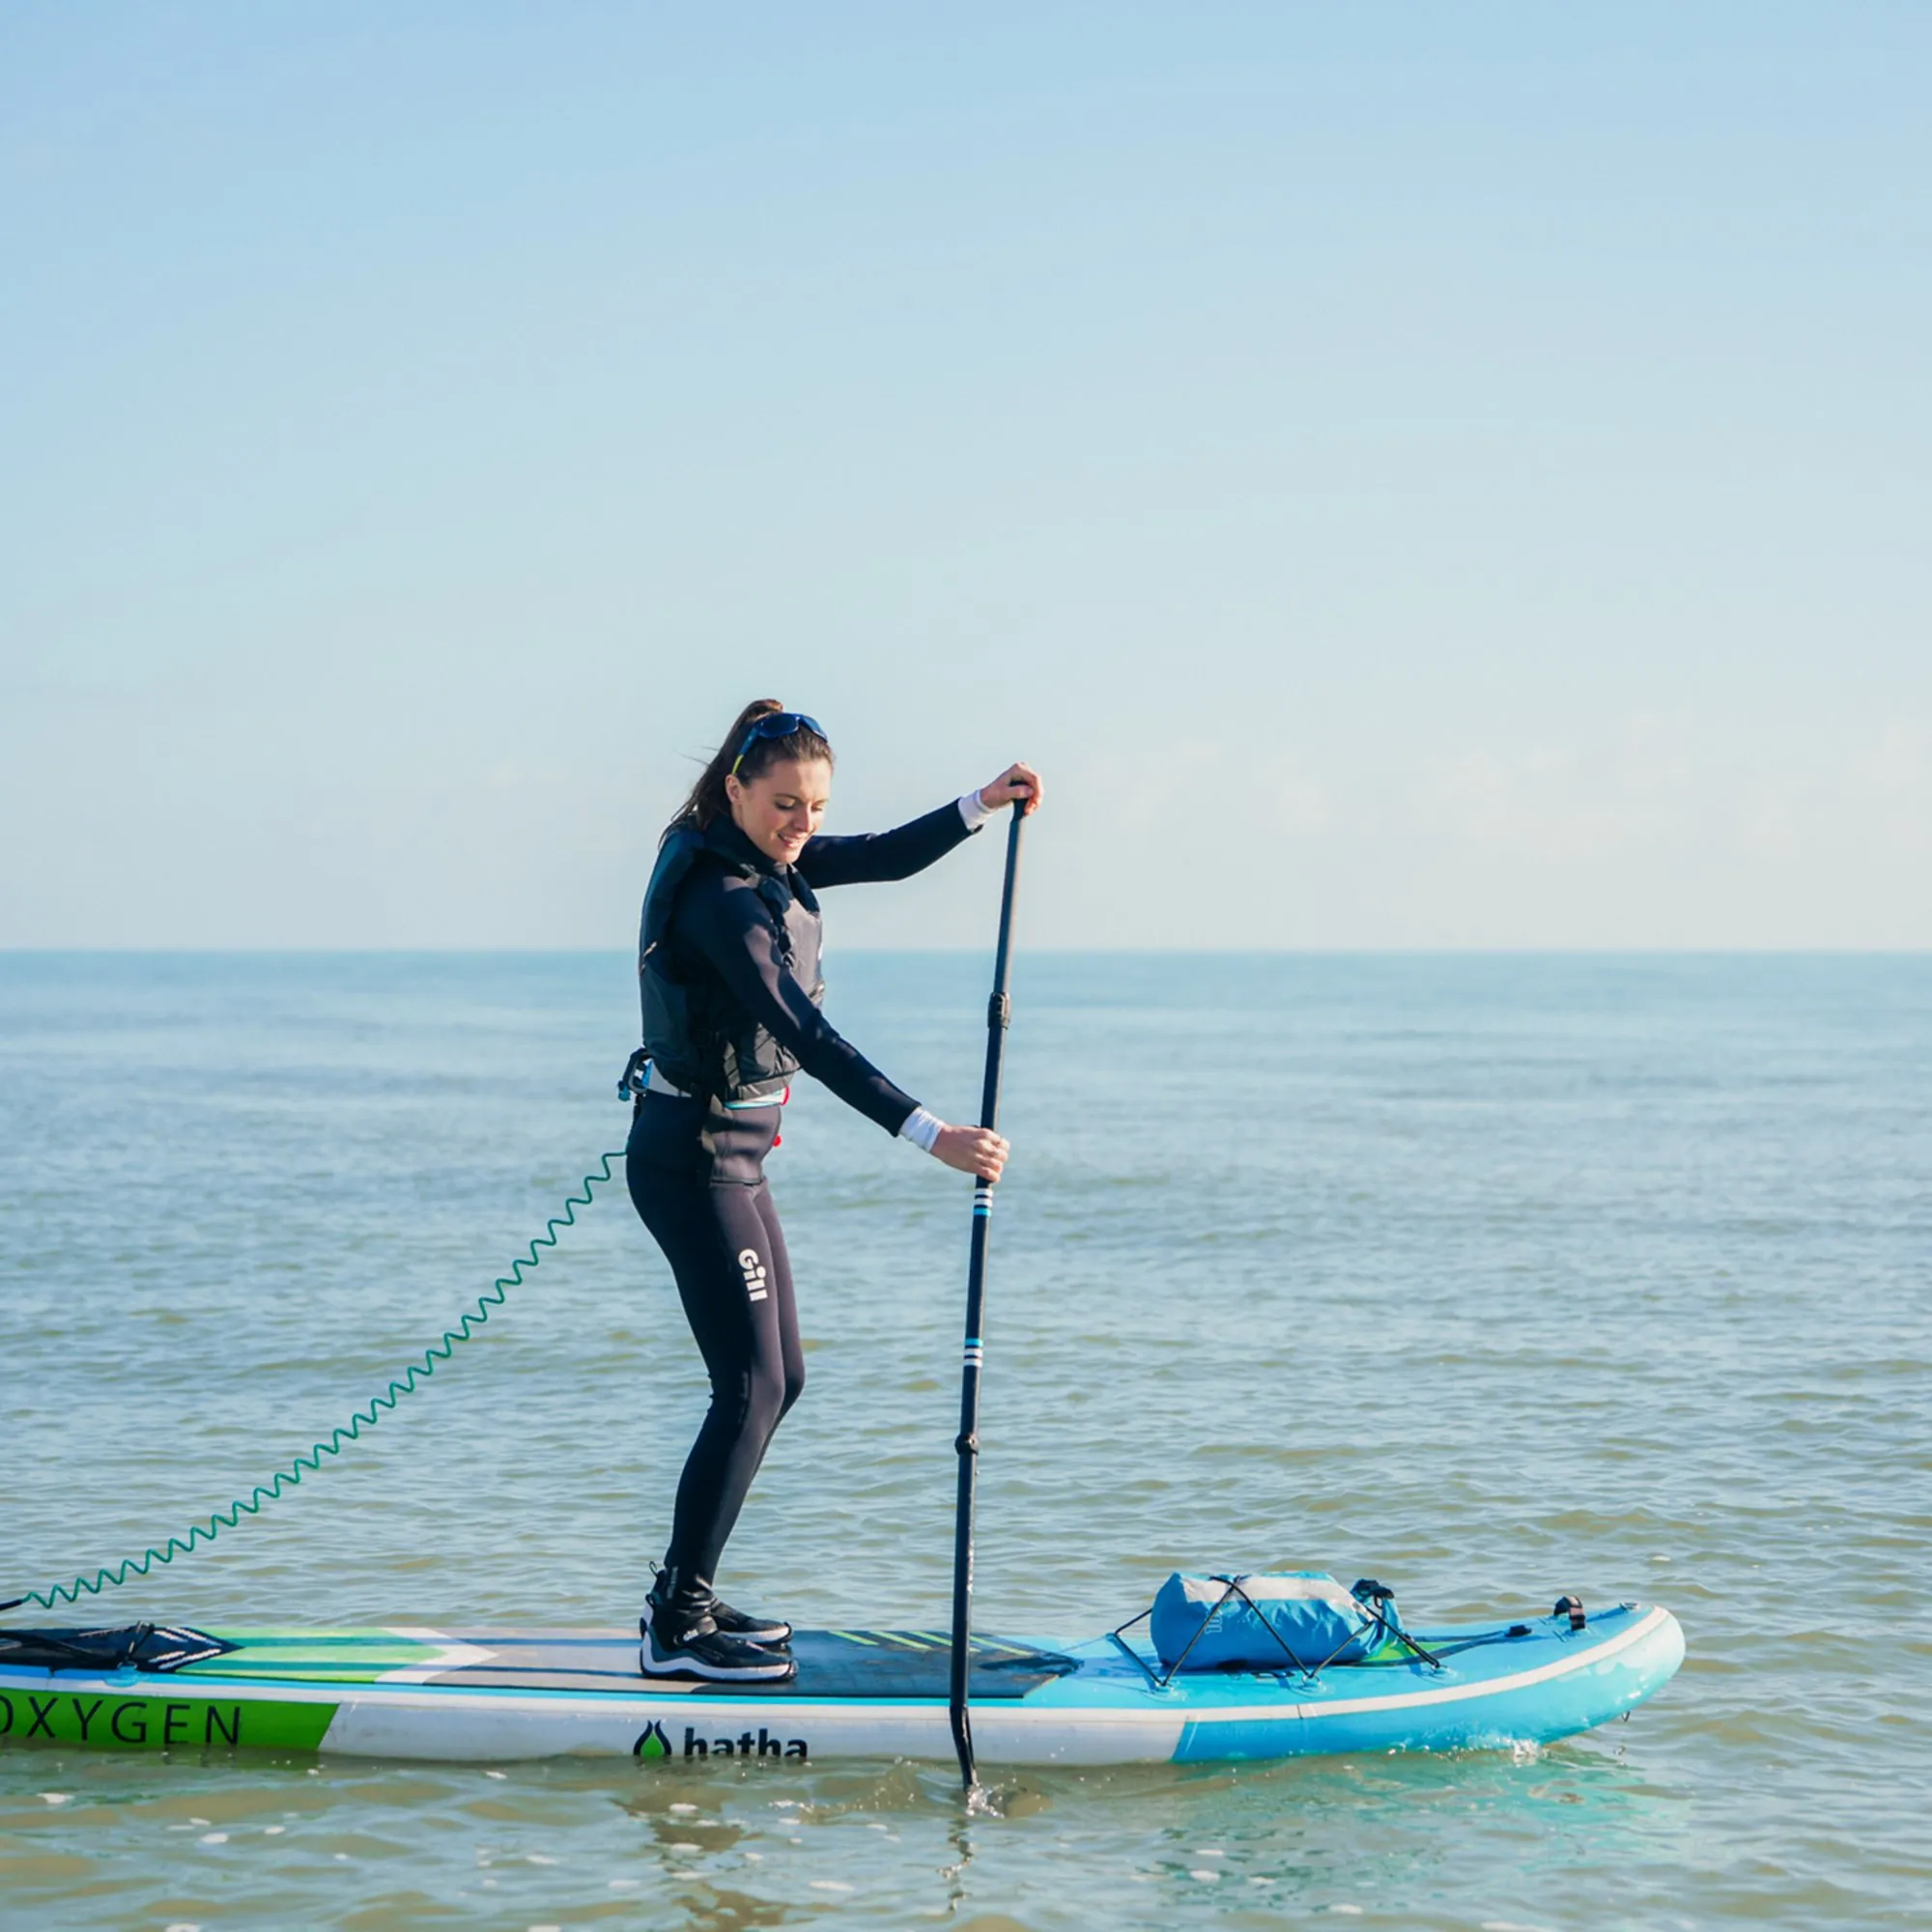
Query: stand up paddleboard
{"x":462,"y":1696}
{"x":480,"y":1696}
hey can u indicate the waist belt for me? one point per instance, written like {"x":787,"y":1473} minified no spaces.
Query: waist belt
{"x":643,"y":1076}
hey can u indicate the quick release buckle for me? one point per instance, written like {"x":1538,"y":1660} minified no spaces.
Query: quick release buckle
{"x":636,"y":1075}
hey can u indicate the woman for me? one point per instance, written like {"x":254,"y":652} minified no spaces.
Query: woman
{"x":727,"y":965}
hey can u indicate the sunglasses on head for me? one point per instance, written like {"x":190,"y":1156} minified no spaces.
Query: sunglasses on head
{"x":776,"y":725}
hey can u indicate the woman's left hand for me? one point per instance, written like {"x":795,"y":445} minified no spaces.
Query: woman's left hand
{"x":1019,"y":782}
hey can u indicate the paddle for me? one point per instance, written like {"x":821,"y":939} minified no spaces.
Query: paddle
{"x":999,"y":1011}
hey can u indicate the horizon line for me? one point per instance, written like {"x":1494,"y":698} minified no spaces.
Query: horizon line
{"x":1340,"y":950}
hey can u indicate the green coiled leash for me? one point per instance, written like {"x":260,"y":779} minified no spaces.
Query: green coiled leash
{"x":407,"y":1384}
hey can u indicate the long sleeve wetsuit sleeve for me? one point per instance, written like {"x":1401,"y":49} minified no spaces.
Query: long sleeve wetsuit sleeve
{"x":862,"y":858}
{"x":727,"y":924}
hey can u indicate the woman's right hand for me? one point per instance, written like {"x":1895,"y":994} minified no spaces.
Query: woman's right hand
{"x":972,"y":1150}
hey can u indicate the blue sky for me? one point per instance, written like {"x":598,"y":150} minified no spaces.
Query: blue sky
{"x":1413,"y":475}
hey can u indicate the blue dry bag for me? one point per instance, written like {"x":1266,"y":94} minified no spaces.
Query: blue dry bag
{"x":1258,"y":1623}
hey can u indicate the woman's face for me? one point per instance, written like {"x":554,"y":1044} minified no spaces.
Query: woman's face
{"x":779,"y":808}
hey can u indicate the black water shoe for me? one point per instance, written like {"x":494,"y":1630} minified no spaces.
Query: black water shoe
{"x":678,"y":1598}
{"x":700,"y":1649}
{"x":730,"y":1623}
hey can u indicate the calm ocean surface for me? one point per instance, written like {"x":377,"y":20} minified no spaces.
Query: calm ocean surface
{"x":1493,"y":1277}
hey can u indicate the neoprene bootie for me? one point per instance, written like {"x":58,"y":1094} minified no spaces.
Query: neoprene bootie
{"x":699,"y":1599}
{"x":682,"y":1638}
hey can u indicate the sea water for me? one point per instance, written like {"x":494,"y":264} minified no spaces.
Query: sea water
{"x":1496,"y":1278}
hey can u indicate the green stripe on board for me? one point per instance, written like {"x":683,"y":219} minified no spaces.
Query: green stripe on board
{"x":331,"y":1638}
{"x":312,"y":1643}
{"x":307,"y":1657}
{"x":299,"y":1672}
{"x":106,"y":1721}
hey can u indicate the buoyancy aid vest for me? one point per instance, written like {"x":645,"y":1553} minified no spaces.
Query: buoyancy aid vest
{"x":694,"y":1031}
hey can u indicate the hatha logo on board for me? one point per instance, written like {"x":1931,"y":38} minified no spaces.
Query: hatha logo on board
{"x":653,"y":1745}
{"x":767,"y":1743}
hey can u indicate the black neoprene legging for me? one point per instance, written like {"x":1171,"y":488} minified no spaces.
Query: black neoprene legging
{"x":695,"y":1172}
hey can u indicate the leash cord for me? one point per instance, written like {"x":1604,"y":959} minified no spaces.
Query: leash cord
{"x":407,"y":1384}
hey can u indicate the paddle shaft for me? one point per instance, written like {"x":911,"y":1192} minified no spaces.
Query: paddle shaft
{"x":999,"y":1013}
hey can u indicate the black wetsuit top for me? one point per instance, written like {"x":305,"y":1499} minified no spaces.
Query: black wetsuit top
{"x":695,"y":1167}
{"x":722,"y":929}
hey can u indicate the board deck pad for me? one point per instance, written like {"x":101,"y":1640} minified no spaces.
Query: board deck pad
{"x":831,"y":1663}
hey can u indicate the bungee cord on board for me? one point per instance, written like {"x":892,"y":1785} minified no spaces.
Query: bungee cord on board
{"x":407,"y":1384}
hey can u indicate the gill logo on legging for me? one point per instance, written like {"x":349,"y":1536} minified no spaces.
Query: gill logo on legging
{"x":755,"y":1273}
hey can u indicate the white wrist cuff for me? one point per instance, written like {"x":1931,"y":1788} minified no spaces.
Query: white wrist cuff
{"x":921,"y":1129}
{"x":975,"y":812}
